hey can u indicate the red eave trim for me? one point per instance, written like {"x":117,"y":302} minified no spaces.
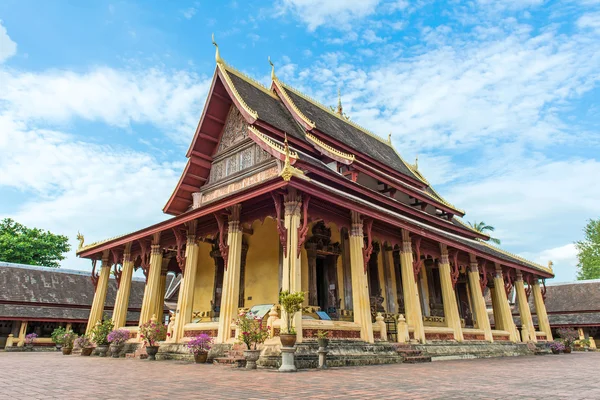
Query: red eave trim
{"x":167,"y":208}
{"x":392,"y":202}
{"x":204,"y":110}
{"x":234,"y":198}
{"x":317,"y":192}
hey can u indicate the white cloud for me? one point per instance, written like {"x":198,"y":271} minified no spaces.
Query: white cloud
{"x":189,"y":13}
{"x":590,"y":21}
{"x":8,"y":48}
{"x":335,"y":13}
{"x":564,"y":259}
{"x":171,"y":100}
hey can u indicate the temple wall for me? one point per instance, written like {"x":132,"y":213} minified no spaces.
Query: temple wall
{"x":205,"y":277}
{"x":262,"y":264}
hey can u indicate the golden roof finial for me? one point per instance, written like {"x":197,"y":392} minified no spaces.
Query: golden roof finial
{"x":550,"y":264}
{"x":273,"y":77}
{"x":340,"y":110}
{"x":390,"y":138}
{"x":217,"y":54}
{"x":417,"y":162}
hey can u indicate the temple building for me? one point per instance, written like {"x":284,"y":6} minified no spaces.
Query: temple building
{"x":283,"y":193}
{"x":40,"y":299}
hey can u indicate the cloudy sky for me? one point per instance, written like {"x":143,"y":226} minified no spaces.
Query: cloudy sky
{"x":499,"y":99}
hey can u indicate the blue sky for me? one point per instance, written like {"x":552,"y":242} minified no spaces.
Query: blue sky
{"x":499,"y":99}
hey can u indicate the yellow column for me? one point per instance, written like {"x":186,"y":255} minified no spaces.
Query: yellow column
{"x":159,"y":299}
{"x":292,"y":266}
{"x":540,"y":309}
{"x":528,"y":332}
{"x":97,"y":310}
{"x":448,"y":296}
{"x":22,"y":333}
{"x":360,"y":287}
{"x":412,"y":304}
{"x":503,"y":317}
{"x":152,"y":286}
{"x":122,"y":300}
{"x":185,"y":300}
{"x":481,"y":315}
{"x":231,"y":277}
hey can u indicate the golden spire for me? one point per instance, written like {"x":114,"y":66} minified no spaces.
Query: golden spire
{"x":417,"y":162}
{"x":273,"y":77}
{"x":340,"y":111}
{"x":217,"y":55}
{"x":390,"y":138}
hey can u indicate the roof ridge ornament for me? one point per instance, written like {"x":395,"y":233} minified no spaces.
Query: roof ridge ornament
{"x":217,"y":54}
{"x":340,"y":110}
{"x":273,"y":76}
{"x":390,"y":138}
{"x":288,"y":171}
{"x":417,"y":161}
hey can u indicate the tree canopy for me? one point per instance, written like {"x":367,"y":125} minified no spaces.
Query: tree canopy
{"x":483,"y":228}
{"x":588,"y":251}
{"x":20,"y":244}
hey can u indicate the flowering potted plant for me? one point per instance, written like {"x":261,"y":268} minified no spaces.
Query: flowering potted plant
{"x":85,"y":344}
{"x":117,"y":339}
{"x":568,"y":337}
{"x":67,"y":342}
{"x":557,"y":347}
{"x":291,"y":304}
{"x":29,"y":341}
{"x":56,"y":336}
{"x":323,"y":338}
{"x":252,"y":332}
{"x":199,"y":347}
{"x":152,"y":333}
{"x":100,"y":334}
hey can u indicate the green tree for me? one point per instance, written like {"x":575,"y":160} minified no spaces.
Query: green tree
{"x":20,"y":244}
{"x":588,"y":251}
{"x":483,"y":228}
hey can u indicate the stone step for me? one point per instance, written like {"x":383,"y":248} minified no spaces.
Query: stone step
{"x":417,"y":359}
{"x":237,"y":362}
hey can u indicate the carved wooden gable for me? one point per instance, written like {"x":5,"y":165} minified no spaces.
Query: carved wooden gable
{"x":236,"y":151}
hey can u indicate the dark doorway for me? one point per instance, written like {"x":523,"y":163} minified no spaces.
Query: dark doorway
{"x":322,"y":285}
{"x":218,"y":287}
{"x":463,"y":303}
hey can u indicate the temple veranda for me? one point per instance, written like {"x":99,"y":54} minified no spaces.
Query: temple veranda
{"x":283,"y":193}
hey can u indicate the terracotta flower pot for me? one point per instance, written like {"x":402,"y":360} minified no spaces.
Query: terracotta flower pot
{"x":251,"y":357}
{"x":200,"y":358}
{"x":567,"y":349}
{"x":555,"y":351}
{"x":152,"y":350}
{"x":115,"y":350}
{"x":87,"y":351}
{"x":287,"y":340}
{"x":67,"y":351}
{"x":102,"y":349}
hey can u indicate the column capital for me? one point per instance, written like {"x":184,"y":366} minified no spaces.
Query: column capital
{"x":498,"y":271}
{"x":155,"y":249}
{"x":519,"y":275}
{"x":126,"y":257}
{"x":406,"y":242}
{"x":444,"y":254}
{"x":292,"y":202}
{"x":105,"y":259}
{"x":234,"y":218}
{"x":473,"y":267}
{"x":357,"y":224}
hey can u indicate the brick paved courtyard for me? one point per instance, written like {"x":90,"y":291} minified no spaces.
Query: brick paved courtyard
{"x":54,"y":376}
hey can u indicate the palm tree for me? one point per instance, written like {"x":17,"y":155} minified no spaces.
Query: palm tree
{"x":483,"y":227}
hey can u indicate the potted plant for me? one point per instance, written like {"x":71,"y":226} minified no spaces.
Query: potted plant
{"x":323,"y":338}
{"x":252,"y":332}
{"x":557,"y":347}
{"x":568,"y":337}
{"x":85,"y":344}
{"x":152,"y":333}
{"x":117,"y":339}
{"x":199,"y":347}
{"x":584,"y":344}
{"x":29,"y":341}
{"x":56,"y":336}
{"x":100,"y":336}
{"x":291,"y":304}
{"x":68,"y":338}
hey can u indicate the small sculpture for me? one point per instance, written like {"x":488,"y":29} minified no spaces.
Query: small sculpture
{"x":81,"y":239}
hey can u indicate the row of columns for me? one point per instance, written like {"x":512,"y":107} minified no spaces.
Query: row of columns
{"x":291,"y":281}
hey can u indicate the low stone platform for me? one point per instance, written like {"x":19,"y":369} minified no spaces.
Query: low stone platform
{"x":450,"y":350}
{"x":173,"y":351}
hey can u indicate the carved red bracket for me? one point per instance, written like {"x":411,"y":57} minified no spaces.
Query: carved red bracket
{"x":117,"y":272}
{"x":302,"y":231}
{"x":95,"y":275}
{"x":508,"y":283}
{"x":281,"y":229}
{"x":455,"y":272}
{"x":417,"y":262}
{"x":223,"y":247}
{"x":180,"y":240}
{"x":483,"y":281}
{"x":528,"y":290}
{"x":544,"y":289}
{"x":367,"y":251}
{"x":145,"y":256}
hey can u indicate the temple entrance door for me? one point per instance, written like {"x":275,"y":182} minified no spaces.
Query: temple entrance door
{"x":327,"y":292}
{"x":463,"y":303}
{"x":322,"y":285}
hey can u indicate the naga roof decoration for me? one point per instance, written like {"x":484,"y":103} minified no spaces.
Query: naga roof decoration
{"x":330,"y":151}
{"x":272,"y":146}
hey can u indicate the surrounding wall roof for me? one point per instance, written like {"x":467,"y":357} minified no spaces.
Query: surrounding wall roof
{"x":573,"y":297}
